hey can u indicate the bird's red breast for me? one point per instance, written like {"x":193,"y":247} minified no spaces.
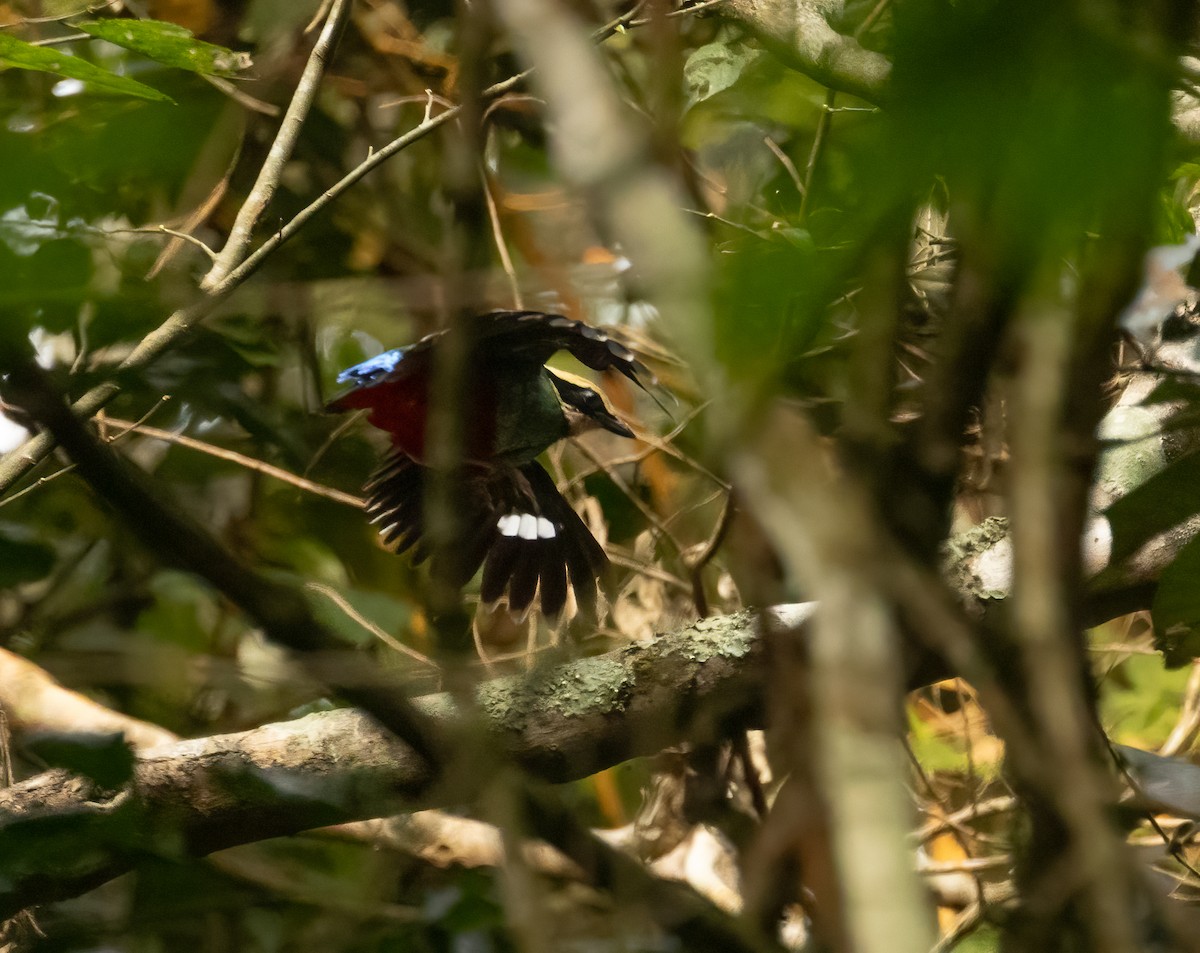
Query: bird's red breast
{"x":401,"y":409}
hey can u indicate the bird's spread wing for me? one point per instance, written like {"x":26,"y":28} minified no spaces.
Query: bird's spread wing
{"x":499,"y":336}
{"x":536,"y":337}
{"x":514,"y":523}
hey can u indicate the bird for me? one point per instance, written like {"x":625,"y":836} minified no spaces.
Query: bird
{"x":513,"y":521}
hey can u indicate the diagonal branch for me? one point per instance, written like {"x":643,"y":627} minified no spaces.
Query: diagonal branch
{"x":281,"y":149}
{"x":280,"y":610}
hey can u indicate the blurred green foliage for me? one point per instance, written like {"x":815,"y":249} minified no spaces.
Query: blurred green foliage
{"x":1034,"y":130}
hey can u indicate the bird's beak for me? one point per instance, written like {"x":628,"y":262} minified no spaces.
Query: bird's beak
{"x":613,"y":423}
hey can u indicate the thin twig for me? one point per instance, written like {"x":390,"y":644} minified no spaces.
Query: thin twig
{"x":182,"y":236}
{"x":786,"y":162}
{"x":697,"y":563}
{"x":995,"y":805}
{"x":57,"y":17}
{"x":342,"y":603}
{"x":696,"y":507}
{"x":674,"y":14}
{"x":724,"y":221}
{"x":281,"y":149}
{"x":60,"y":40}
{"x":967,"y":865}
{"x":63,"y":471}
{"x":963,"y":926}
{"x":6,"y":772}
{"x":250,"y":463}
{"x":1189,"y":716}
{"x":321,"y":12}
{"x":818,"y":141}
{"x":501,"y":245}
{"x":956,"y":831}
{"x":241,"y":97}
{"x":656,"y":444}
{"x":651,"y":517}
{"x":618,"y":558}
{"x":754,"y":784}
{"x":871,"y":18}
{"x":619,"y":23}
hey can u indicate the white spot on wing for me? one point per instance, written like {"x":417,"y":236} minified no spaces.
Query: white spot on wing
{"x":545,"y":529}
{"x":528,"y":528}
{"x":508,"y":524}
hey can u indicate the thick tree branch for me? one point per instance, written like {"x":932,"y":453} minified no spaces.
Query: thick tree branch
{"x":60,"y":835}
{"x":821,"y":526}
{"x":800,"y":34}
{"x":34,"y":703}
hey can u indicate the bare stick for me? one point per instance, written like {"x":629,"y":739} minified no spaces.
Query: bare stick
{"x":344,"y":604}
{"x":501,"y":244}
{"x":240,"y":459}
{"x":281,"y":149}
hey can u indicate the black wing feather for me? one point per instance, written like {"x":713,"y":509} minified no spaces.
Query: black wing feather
{"x":538,"y":336}
{"x":524,"y":581}
{"x":553,"y":581}
{"x":522,"y":568}
{"x":583,"y":557}
{"x":534,"y":336}
{"x":499,"y":568}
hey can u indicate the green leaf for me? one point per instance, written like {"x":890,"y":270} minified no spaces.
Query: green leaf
{"x":1173,"y":389}
{"x":938,"y":752}
{"x":182,"y":612}
{"x":249,"y":339}
{"x":714,"y":67}
{"x":1163,"y":501}
{"x":1140,"y":699}
{"x":18,"y":53}
{"x":1176,"y":608}
{"x":169,"y":44}
{"x":23,"y":561}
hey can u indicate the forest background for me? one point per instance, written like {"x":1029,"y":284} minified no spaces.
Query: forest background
{"x":890,"y":259}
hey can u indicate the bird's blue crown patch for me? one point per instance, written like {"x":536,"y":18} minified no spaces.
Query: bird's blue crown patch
{"x":372,"y":369}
